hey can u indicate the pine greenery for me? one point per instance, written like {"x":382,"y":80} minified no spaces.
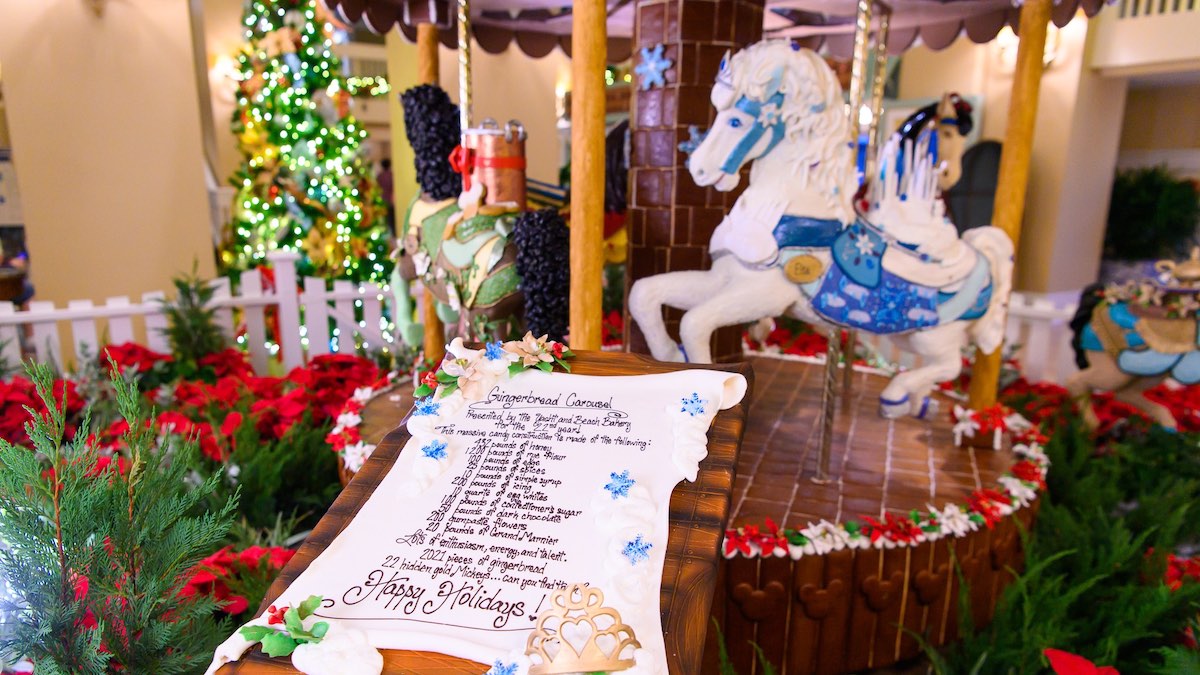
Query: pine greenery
{"x":192,"y":328}
{"x":95,"y":557}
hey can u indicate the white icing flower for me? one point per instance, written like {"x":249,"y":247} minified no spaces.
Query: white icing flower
{"x":347,"y":420}
{"x":1017,"y":488}
{"x":343,"y":650}
{"x":440,"y":409}
{"x":421,"y":262}
{"x":431,"y":457}
{"x":1032,"y":452}
{"x":954,"y":521}
{"x":356,"y":455}
{"x":474,"y":378}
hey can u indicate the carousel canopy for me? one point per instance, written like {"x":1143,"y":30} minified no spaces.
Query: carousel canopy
{"x":538,"y":26}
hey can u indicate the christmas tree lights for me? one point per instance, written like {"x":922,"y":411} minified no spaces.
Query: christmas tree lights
{"x":303,"y":184}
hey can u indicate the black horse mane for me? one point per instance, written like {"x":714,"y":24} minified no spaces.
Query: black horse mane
{"x":1089,"y":299}
{"x":616,"y":169}
{"x":923,"y":117}
{"x":431,"y":124}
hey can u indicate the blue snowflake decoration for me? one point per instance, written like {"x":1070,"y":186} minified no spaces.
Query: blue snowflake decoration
{"x":695,"y":138}
{"x":650,"y":71}
{"x":434,"y":449}
{"x":620,"y":484}
{"x":501,"y":668}
{"x":692,"y":405}
{"x":637,"y":550}
{"x":426,"y":406}
{"x":494,"y":351}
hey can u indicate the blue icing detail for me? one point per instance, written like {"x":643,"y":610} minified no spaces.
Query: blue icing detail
{"x":494,"y":350}
{"x":637,"y":550}
{"x":806,"y":232}
{"x":693,"y":405}
{"x":1147,"y":362}
{"x":977,"y":308}
{"x":426,"y":406}
{"x":858,"y":252}
{"x":1090,"y":341}
{"x":501,"y":668}
{"x":620,"y":484}
{"x":434,"y":449}
{"x":1187,"y":371}
{"x":1121,"y":315}
{"x":895,"y":306}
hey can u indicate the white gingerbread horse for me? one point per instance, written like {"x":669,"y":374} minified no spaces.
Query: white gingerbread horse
{"x":793,"y":245}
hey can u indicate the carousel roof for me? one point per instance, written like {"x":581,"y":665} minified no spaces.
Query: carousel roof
{"x":538,"y":26}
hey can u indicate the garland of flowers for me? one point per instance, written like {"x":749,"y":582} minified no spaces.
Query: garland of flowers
{"x":345,"y":439}
{"x":474,"y":370}
{"x":984,"y":508}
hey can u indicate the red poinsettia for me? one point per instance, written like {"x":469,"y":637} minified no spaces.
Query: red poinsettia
{"x":132,"y":356}
{"x":227,"y":363}
{"x":1065,"y":663}
{"x":212,"y":576}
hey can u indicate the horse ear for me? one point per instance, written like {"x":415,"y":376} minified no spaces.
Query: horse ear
{"x":946,"y":108}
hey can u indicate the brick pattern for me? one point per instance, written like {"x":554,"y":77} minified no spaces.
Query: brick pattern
{"x":670,"y":218}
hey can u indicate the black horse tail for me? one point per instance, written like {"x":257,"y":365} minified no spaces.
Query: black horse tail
{"x":1091,"y":296}
{"x":543,"y":261}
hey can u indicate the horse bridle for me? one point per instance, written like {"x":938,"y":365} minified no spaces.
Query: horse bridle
{"x":761,"y":112}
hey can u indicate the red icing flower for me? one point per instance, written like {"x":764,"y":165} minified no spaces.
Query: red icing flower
{"x":1030,"y":472}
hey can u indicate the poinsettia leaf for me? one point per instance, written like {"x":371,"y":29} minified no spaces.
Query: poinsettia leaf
{"x":423,"y":391}
{"x":515,"y":368}
{"x":319,"y":630}
{"x":309,"y":606}
{"x":450,"y":388}
{"x":291,"y":619}
{"x":278,"y":644}
{"x":445,"y":378}
{"x":545,"y":366}
{"x":255,"y":633}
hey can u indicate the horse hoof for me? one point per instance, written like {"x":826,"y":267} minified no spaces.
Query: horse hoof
{"x":891,"y":410}
{"x":928,"y":409}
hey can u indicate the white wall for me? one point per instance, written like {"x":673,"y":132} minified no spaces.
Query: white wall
{"x":105,"y":128}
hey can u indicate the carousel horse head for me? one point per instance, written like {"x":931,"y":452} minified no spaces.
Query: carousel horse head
{"x":943,"y":128}
{"x":769,"y":94}
{"x":431,"y":123}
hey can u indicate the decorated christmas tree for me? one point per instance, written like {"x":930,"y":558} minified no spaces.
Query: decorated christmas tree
{"x":303,"y":184}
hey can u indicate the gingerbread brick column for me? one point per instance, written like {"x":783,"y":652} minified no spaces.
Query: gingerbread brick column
{"x":670,"y":218}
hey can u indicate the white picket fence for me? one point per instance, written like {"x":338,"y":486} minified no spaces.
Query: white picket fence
{"x":304,"y":319}
{"x":1037,"y":328}
{"x":1037,"y":323}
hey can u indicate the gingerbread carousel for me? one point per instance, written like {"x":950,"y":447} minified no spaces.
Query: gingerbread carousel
{"x":838,"y":510}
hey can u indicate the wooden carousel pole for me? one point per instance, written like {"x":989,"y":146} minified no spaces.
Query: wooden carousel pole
{"x":589,"y":45}
{"x":427,"y":73}
{"x":1014,"y":167}
{"x":833,"y":352}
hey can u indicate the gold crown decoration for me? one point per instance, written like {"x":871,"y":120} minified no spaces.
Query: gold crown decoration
{"x":577,"y":633}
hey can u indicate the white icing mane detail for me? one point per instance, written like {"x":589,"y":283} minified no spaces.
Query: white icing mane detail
{"x":818,"y":132}
{"x":905,"y":200}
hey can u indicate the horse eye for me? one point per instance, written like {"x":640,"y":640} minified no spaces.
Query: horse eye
{"x":735,"y":122}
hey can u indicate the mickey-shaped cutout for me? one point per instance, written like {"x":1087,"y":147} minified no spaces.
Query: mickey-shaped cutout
{"x":881,"y":593}
{"x":930,"y":586}
{"x":1003,"y":551}
{"x":819,"y":602}
{"x":759,"y":603}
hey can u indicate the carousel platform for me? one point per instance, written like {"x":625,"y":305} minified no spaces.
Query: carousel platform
{"x":839,"y":606}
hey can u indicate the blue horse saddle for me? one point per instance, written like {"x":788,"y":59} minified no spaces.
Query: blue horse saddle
{"x":1135,"y":353}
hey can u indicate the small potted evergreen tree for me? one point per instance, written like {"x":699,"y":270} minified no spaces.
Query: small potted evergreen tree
{"x":1153,"y":215}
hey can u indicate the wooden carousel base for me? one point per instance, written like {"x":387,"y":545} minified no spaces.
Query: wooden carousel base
{"x":851,"y":609}
{"x":841,"y":611}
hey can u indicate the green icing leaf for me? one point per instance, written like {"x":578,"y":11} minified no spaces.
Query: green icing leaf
{"x":319,"y":630}
{"x":278,"y":644}
{"x":255,"y":633}
{"x":291,"y":619}
{"x":309,"y":606}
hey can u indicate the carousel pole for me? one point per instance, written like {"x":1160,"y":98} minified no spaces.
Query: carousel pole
{"x":464,"y":64}
{"x":833,"y":352}
{"x":879,"y":79}
{"x":427,"y":73}
{"x":589,"y":44}
{"x":1014,"y":168}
